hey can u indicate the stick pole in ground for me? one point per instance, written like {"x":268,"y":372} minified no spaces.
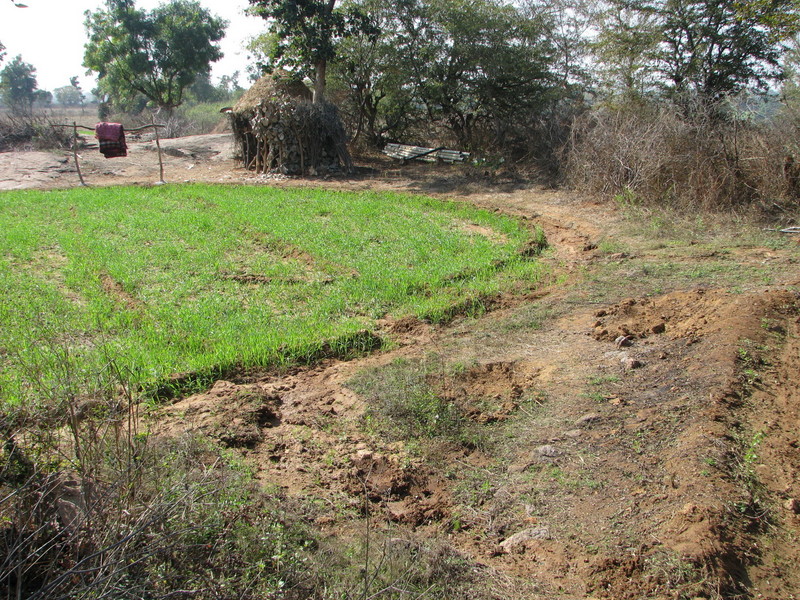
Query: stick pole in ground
{"x":75,"y":151}
{"x":158,"y":145}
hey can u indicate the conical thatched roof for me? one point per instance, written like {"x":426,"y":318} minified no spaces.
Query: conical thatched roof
{"x":278,"y":84}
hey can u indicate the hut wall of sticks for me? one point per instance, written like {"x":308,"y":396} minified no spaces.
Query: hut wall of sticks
{"x":276,"y":127}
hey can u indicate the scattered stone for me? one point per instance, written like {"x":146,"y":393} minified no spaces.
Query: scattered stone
{"x":659,"y":328}
{"x":573,"y":433}
{"x":516,"y":543}
{"x":623,"y":341}
{"x":663,"y":356}
{"x":630,"y":363}
{"x":618,"y":255}
{"x":587,"y":420}
{"x":601,"y":313}
{"x":547,"y":451}
{"x":793,"y":505}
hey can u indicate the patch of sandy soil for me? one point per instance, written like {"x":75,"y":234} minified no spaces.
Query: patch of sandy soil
{"x":650,"y":447}
{"x":207,"y":158}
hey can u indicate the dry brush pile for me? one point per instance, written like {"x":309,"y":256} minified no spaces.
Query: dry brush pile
{"x":28,"y":131}
{"x":648,"y":154}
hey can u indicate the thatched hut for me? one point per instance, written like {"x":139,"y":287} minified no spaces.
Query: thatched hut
{"x":277,"y":127}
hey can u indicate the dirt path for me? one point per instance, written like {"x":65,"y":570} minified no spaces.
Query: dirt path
{"x":630,"y":431}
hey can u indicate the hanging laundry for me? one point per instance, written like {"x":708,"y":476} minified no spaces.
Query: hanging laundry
{"x":112,"y":139}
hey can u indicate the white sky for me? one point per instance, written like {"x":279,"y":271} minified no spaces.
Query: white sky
{"x":49,"y":35}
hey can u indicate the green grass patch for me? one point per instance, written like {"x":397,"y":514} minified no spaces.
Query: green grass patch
{"x":201,"y":279}
{"x":403,"y":404}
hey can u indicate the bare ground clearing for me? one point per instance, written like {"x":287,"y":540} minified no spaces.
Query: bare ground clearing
{"x":635,"y":424}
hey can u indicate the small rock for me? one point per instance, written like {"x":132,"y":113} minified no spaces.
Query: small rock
{"x":659,"y":328}
{"x":587,"y":420}
{"x":573,"y":433}
{"x":517,"y":541}
{"x":363,"y":455}
{"x":793,"y":505}
{"x":547,"y":451}
{"x":630,"y":363}
{"x":623,"y":341}
{"x":618,"y":255}
{"x":601,"y":313}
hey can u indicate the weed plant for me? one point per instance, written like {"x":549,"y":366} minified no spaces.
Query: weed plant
{"x":202,"y":279}
{"x":139,"y":518}
{"x":403,"y":404}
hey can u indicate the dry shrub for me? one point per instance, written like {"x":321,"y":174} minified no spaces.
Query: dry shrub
{"x":657,"y":154}
{"x":92,"y":507}
{"x":30,"y":131}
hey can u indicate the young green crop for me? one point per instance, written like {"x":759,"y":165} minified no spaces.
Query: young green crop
{"x":200,"y":279}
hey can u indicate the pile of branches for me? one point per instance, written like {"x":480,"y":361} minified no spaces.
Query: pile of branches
{"x":291,"y":136}
{"x":28,"y":131}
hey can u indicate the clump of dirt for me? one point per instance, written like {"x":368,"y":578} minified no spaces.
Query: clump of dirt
{"x":236,"y":415}
{"x":489,"y":392}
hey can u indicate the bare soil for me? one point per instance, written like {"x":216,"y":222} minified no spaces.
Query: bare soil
{"x":637,"y":419}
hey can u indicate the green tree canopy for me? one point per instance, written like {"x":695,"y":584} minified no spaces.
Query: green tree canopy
{"x":18,"y":85}
{"x":157,"y":53}
{"x":468,"y":62}
{"x":694,"y":49}
{"x":304,"y":34}
{"x":70,"y":95}
{"x":711,"y":48}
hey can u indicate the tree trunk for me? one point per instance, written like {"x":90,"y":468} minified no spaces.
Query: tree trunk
{"x":319,"y":81}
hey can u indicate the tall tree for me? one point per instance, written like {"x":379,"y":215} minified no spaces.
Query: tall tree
{"x":18,"y":85}
{"x":695,"y":49}
{"x":711,"y":48}
{"x":156,"y":53}
{"x":474,"y":61}
{"x":304,"y":34}
{"x":70,"y":95}
{"x":371,"y":70}
{"x":625,"y":46}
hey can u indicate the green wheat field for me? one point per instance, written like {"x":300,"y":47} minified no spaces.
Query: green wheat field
{"x":204,"y":279}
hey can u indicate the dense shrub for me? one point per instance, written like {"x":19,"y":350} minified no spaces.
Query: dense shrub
{"x":704,"y":159}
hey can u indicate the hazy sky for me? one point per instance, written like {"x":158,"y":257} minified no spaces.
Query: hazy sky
{"x":49,"y":34}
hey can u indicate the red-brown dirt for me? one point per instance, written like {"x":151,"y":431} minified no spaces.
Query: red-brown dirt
{"x":641,"y":439}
